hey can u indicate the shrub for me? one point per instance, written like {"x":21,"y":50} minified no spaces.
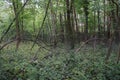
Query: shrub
{"x":62,"y":65}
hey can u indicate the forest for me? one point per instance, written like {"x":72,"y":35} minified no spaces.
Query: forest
{"x":59,"y":39}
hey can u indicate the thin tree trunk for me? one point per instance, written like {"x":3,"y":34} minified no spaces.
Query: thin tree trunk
{"x":118,"y":55}
{"x":18,"y":36}
{"x":109,"y":49}
{"x":98,"y":12}
{"x":53,"y":19}
{"x":62,"y":28}
{"x":104,"y":16}
{"x":86,"y":2}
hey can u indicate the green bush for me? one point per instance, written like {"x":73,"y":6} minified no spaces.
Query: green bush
{"x":62,"y":65}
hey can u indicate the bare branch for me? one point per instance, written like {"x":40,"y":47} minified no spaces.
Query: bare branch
{"x":13,"y":21}
{"x":42,"y":23}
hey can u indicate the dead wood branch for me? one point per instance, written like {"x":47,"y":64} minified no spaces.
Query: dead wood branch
{"x":84,"y":43}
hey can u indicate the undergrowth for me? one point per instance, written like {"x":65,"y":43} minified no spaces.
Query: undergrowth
{"x":57,"y":64}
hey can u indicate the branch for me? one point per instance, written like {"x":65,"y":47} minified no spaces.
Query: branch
{"x":4,"y":45}
{"x":42,"y":23}
{"x":117,"y":7}
{"x":13,"y":21}
{"x":9,"y":42}
{"x":77,"y":50}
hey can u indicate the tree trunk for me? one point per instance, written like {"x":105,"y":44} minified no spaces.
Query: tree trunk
{"x":53,"y":19}
{"x":86,"y":3}
{"x":18,"y":34}
{"x":98,"y":12}
{"x":69,"y":28}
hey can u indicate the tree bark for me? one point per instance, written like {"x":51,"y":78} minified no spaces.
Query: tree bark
{"x":69,"y":27}
{"x":18,"y":34}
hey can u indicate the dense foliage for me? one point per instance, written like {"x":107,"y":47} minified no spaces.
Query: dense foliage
{"x":62,"y":65}
{"x":59,"y":39}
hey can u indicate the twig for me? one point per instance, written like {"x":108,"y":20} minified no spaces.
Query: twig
{"x":77,"y":50}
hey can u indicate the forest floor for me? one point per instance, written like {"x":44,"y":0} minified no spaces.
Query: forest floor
{"x":47,"y":63}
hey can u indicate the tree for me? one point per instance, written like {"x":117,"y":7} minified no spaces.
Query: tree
{"x":69,"y":27}
{"x":16,"y":6}
{"x":86,"y":12}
